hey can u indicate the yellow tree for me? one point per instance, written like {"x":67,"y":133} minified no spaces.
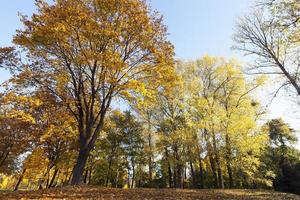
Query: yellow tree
{"x":86,"y":52}
{"x":18,"y":130}
{"x":221,"y":106}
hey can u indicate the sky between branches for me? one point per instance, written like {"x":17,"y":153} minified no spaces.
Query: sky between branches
{"x":196,"y":28}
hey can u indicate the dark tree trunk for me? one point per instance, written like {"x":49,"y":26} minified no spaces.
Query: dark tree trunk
{"x":20,"y":180}
{"x":228,"y":161}
{"x":174,"y":176}
{"x":179,"y":176}
{"x":89,"y":131}
{"x":169,"y":168}
{"x":170,"y":175}
{"x":67,"y":178}
{"x":79,"y":167}
{"x":201,"y":174}
{"x":108,"y":175}
{"x":150,"y":171}
{"x":230,"y":174}
{"x":220,"y":176}
{"x":193,"y":175}
{"x":4,"y":156}
{"x":184,"y":177}
{"x":86,"y":176}
{"x":53,"y":178}
{"x":133,"y":176}
{"x":177,"y":169}
{"x":213,"y":167}
{"x":150,"y":150}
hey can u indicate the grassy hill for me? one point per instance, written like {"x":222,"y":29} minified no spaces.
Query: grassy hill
{"x":149,"y":194}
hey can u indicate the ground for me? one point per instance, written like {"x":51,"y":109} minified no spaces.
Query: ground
{"x":147,"y":194}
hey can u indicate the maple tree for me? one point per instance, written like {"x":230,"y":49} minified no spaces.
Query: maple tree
{"x":88,"y":52}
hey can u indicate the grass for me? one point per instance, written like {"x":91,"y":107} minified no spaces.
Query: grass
{"x":147,"y":194}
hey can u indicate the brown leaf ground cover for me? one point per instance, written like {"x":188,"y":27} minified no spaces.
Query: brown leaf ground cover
{"x":146,"y":194}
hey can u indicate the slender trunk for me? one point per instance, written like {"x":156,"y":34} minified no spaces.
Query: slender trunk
{"x":4,"y":156}
{"x":133,"y":176}
{"x":117,"y":179}
{"x":48,"y":179}
{"x":213,"y":166}
{"x":230,"y":175}
{"x":150,"y":171}
{"x":184,"y":177}
{"x":228,"y":161}
{"x":179,"y":176}
{"x":57,"y":179}
{"x":177,"y":169}
{"x":193,"y":175}
{"x":220,"y":176}
{"x":201,"y":181}
{"x":65,"y":178}
{"x":46,"y":174}
{"x":174,"y":176}
{"x":108,"y":172}
{"x":69,"y":179}
{"x":90,"y":173}
{"x":150,"y":152}
{"x":20,"y":180}
{"x":201,"y":174}
{"x":53,"y":178}
{"x":86,"y":176}
{"x":169,"y":168}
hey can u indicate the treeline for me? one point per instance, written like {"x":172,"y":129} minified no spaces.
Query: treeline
{"x":96,"y":97}
{"x":202,"y":133}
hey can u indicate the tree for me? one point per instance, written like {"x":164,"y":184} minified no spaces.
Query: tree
{"x":282,"y":158}
{"x":272,"y":35}
{"x":86,"y":53}
{"x":223,"y":112}
{"x":132,"y":143}
{"x":18,"y":127}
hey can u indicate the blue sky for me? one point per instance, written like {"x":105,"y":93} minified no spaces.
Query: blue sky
{"x":199,"y":27}
{"x":196,"y":28}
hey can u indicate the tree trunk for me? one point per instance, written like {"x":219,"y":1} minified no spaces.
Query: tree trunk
{"x":193,"y":175}
{"x":90,"y":173}
{"x":201,"y":181}
{"x":150,"y":152}
{"x":150,"y":171}
{"x":230,"y":175}
{"x":169,"y":168}
{"x":174,"y":176}
{"x":4,"y":156}
{"x":53,"y":178}
{"x":213,"y":166}
{"x":20,"y":180}
{"x":133,"y":176}
{"x":77,"y":176}
{"x":86,"y":176}
{"x":220,"y":176}
{"x":228,"y":161}
{"x":108,"y":175}
{"x":184,"y":177}
{"x":201,"y":174}
{"x":177,"y":169}
{"x":89,"y":131}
